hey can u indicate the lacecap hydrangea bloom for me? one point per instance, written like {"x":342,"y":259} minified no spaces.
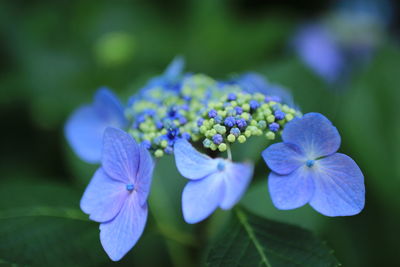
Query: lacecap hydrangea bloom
{"x":197,"y":120}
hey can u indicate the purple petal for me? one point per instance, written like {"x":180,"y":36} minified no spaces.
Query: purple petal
{"x":318,"y":49}
{"x":314,"y":134}
{"x":109,"y":108}
{"x":84,"y":129}
{"x":283,"y":158}
{"x":121,"y":234}
{"x":201,"y":197}
{"x":104,"y":197}
{"x":121,"y":155}
{"x":145,"y":173}
{"x":339,"y":186}
{"x":237,"y":177}
{"x":291,"y":191}
{"x":84,"y":133}
{"x":191,"y":163}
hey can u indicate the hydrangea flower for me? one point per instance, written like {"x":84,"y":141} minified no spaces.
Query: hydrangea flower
{"x":317,"y":47}
{"x":175,"y":111}
{"x":84,"y":129}
{"x":348,"y":36}
{"x":117,"y":194}
{"x":213,"y":182}
{"x":306,"y":168}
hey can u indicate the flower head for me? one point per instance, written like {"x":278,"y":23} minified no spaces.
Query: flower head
{"x":307,"y":169}
{"x":84,"y":129}
{"x":213,"y":182}
{"x":117,"y":194}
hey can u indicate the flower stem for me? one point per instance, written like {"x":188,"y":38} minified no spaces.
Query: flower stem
{"x":228,"y":152}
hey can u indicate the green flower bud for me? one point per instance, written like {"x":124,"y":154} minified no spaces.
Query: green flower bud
{"x":158,"y":153}
{"x":222,"y":147}
{"x":245,"y":116}
{"x":289,"y":117}
{"x":270,"y":135}
{"x":203,"y":129}
{"x":271,"y":118}
{"x":267,"y":112}
{"x":231,"y":138}
{"x":207,"y":143}
{"x":259,"y":97}
{"x":241,"y":139}
{"x":164,"y":143}
{"x":262,"y":124}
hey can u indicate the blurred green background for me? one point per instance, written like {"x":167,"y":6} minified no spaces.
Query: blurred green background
{"x":55,"y":54}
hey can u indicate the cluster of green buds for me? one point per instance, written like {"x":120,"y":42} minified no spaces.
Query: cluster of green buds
{"x":202,"y":110}
{"x":236,"y":117}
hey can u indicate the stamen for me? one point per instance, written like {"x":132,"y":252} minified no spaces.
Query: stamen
{"x":310,"y":163}
{"x":221,"y":166}
{"x":130,"y":187}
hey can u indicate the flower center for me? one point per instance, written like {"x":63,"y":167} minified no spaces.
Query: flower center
{"x":221,"y":166}
{"x":310,"y":163}
{"x":130,"y":187}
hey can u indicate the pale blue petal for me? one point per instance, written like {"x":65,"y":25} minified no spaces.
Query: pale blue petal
{"x":120,"y":158}
{"x":201,"y":197}
{"x":121,"y":234}
{"x":84,"y":132}
{"x":314,"y":134}
{"x":253,"y":82}
{"x":293,"y":190}
{"x":237,"y":177}
{"x":144,"y":176}
{"x":339,"y":186}
{"x":174,"y":69}
{"x":84,"y":129}
{"x":283,"y":158}
{"x":103,"y":197}
{"x":191,"y":163}
{"x":109,"y":108}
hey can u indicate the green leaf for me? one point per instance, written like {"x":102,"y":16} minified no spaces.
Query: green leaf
{"x":250,"y":240}
{"x":41,"y":225}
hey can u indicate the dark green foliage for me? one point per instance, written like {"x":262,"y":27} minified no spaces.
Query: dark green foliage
{"x":250,"y":240}
{"x":45,"y":227}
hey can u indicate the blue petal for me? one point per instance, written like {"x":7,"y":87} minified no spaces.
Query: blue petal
{"x":174,"y":69}
{"x":84,"y":133}
{"x":283,"y":158}
{"x":121,"y":155}
{"x":84,"y":129}
{"x":339,"y":186}
{"x":145,"y":173}
{"x":237,"y":177}
{"x":318,"y":49}
{"x":121,"y":234}
{"x":104,"y":197}
{"x":191,"y":163}
{"x":255,"y":83}
{"x":201,"y":197}
{"x":109,"y":108}
{"x":314,"y":134}
{"x":291,"y":191}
